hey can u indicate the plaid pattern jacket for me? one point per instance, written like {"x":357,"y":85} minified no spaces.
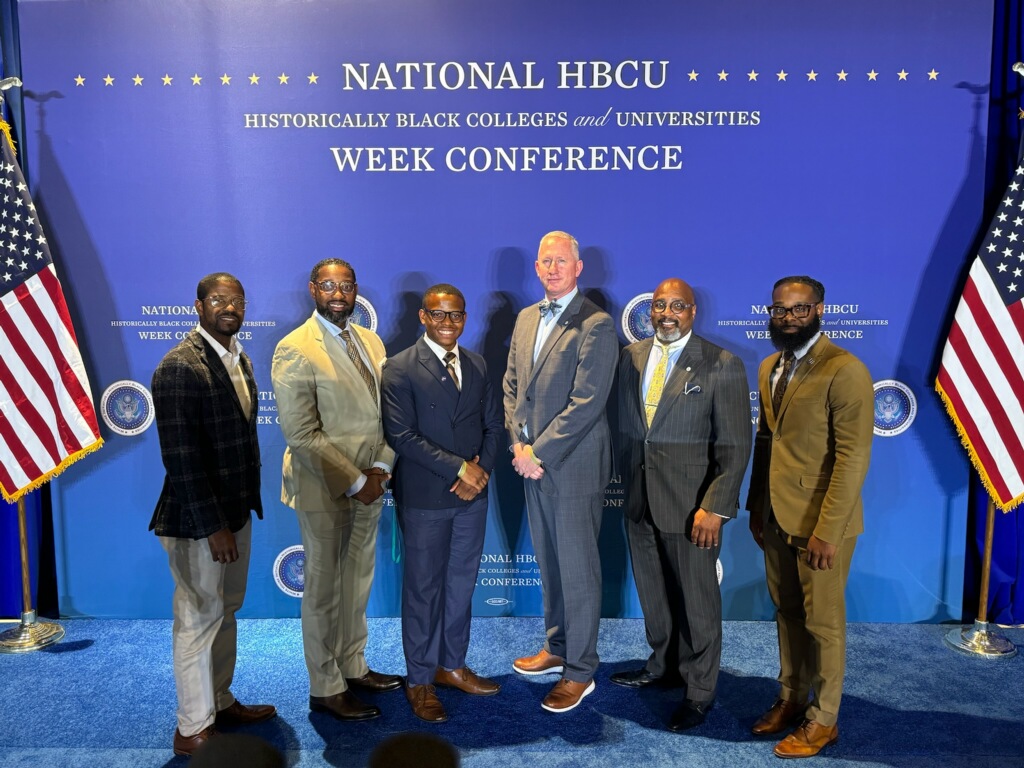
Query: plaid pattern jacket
{"x":209,"y":449}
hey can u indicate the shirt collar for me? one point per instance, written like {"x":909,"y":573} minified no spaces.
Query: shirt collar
{"x":328,"y":325}
{"x":564,"y":301}
{"x":235,"y":346}
{"x":799,"y":353}
{"x":438,"y":350}
{"x":674,"y":346}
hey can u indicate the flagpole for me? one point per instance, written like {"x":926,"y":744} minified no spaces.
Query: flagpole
{"x":32,"y":634}
{"x":979,"y":640}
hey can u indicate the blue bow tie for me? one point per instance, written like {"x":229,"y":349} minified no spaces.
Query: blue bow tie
{"x":548,"y":306}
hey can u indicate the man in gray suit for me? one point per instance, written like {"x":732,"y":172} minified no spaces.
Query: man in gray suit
{"x":326,"y":376}
{"x":561,"y":363}
{"x":684,"y":428}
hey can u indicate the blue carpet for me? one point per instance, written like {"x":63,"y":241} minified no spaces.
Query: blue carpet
{"x":105,"y":697}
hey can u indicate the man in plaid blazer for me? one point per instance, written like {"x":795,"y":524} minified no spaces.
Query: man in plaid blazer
{"x":204,"y":395}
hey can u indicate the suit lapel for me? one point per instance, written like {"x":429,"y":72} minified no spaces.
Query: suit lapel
{"x":344,"y":368}
{"x":564,"y":321}
{"x":435,"y":368}
{"x":219,"y":373}
{"x":683,"y":372}
{"x":814,"y":355}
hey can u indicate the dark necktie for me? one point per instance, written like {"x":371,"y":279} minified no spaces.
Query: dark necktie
{"x":548,"y":306}
{"x":783,"y":382}
{"x":449,"y":363}
{"x":357,"y":361}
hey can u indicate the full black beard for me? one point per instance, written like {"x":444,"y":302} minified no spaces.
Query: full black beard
{"x":791,"y":342}
{"x":336,"y":318}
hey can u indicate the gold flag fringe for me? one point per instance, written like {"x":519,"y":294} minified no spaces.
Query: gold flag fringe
{"x":17,"y":494}
{"x":5,"y":129}
{"x":985,"y":480}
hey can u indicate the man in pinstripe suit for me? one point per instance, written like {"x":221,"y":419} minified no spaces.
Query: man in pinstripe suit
{"x":684,"y":429}
{"x":561,"y":364}
{"x":204,"y":396}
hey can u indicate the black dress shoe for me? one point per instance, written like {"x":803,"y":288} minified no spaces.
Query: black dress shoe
{"x":343,"y":706}
{"x":375,"y":682}
{"x":635,"y":678}
{"x":689,"y":715}
{"x":240,"y":714}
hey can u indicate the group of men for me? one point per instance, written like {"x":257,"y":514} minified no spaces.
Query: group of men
{"x":429,"y":421}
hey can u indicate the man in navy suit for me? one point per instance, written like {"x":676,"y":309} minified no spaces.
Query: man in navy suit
{"x":444,"y":422}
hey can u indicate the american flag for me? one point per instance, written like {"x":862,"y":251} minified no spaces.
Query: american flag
{"x":981,"y":378}
{"x":47,"y":420}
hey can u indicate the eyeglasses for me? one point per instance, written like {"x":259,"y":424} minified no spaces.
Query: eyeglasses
{"x":238,"y":302}
{"x":330,"y":286}
{"x":438,"y":315}
{"x":677,"y":306}
{"x":798,"y":310}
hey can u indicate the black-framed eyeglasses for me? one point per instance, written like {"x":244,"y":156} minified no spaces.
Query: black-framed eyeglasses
{"x":438,"y":315}
{"x":677,"y":307}
{"x":217,"y":301}
{"x":330,"y":286}
{"x":798,"y":310}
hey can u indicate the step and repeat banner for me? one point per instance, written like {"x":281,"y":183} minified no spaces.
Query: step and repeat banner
{"x":726,"y":142}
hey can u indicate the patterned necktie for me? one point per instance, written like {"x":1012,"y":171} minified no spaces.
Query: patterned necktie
{"x":357,"y":361}
{"x":449,"y":363}
{"x":657,"y":385}
{"x":782,"y":382}
{"x":238,"y":380}
{"x":548,"y":306}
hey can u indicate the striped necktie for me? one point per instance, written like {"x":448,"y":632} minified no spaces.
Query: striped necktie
{"x":449,"y":363}
{"x":357,"y":361}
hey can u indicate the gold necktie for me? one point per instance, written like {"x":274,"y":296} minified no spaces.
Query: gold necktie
{"x":357,"y":361}
{"x":449,"y":363}
{"x":657,"y":385}
{"x":782,"y":382}
{"x":241,"y":389}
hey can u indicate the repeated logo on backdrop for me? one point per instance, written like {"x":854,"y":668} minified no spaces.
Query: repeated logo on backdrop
{"x":127,"y":407}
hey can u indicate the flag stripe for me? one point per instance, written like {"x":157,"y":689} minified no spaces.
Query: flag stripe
{"x":19,"y":462}
{"x":986,"y":325}
{"x":33,"y":419}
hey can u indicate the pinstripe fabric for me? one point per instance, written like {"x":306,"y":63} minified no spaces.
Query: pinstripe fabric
{"x":692,"y":457}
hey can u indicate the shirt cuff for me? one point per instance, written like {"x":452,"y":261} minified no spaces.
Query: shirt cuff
{"x":357,"y":486}
{"x":382,"y":465}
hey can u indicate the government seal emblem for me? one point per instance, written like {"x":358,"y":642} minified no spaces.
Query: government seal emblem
{"x":636,"y":318}
{"x":290,"y":570}
{"x":364,"y":314}
{"x":895,"y":407}
{"x":127,"y":407}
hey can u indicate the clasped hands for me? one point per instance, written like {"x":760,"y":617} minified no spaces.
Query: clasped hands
{"x":525,"y":463}
{"x":374,"y":487}
{"x":473,"y":480}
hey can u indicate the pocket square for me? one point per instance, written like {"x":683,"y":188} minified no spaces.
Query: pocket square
{"x":689,"y":389}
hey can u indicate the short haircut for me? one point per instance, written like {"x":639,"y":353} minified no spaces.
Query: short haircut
{"x":203,"y":289}
{"x":565,"y":236}
{"x":442,"y":289}
{"x":327,"y":262}
{"x":810,"y":282}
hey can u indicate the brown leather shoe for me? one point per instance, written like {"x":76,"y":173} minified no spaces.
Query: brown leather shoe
{"x":239,"y":714}
{"x":186,"y":745}
{"x":543,"y":663}
{"x":466,"y":680}
{"x":425,"y":704}
{"x":343,"y":706}
{"x":566,"y":695}
{"x":375,"y":682}
{"x":807,"y":740}
{"x":782,"y":715}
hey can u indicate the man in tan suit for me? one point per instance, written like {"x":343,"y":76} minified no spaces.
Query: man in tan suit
{"x":326,"y":376}
{"x":810,"y":458}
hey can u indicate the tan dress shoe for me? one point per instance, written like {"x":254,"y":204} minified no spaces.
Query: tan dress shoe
{"x":542,"y":663}
{"x":425,"y":704}
{"x":466,"y":680}
{"x":807,"y":740}
{"x":566,"y":695}
{"x":186,"y":745}
{"x":239,"y":714}
{"x":782,"y":715}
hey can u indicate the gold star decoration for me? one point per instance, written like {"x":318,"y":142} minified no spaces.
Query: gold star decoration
{"x":723,"y":75}
{"x":933,"y":75}
{"x":166,"y":79}
{"x":841,"y":74}
{"x":902,"y":74}
{"x":254,"y":79}
{"x":812,"y":76}
{"x":693,"y":75}
{"x":197,"y":80}
{"x":108,"y":80}
{"x":872,"y":75}
{"x":312,"y":77}
{"x":137,"y":79}
{"x":751,"y":75}
{"x":225,"y":79}
{"x":282,"y":79}
{"x":79,"y":80}
{"x":782,"y":75}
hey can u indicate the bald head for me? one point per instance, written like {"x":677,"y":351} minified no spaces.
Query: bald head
{"x":673,"y":310}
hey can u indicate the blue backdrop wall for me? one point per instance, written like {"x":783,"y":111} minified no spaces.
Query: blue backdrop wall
{"x":727,"y":143}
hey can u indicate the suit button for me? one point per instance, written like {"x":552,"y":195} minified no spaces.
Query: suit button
{"x":528,"y":399}
{"x":778,"y":436}
{"x":647,"y":442}
{"x":643,"y":467}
